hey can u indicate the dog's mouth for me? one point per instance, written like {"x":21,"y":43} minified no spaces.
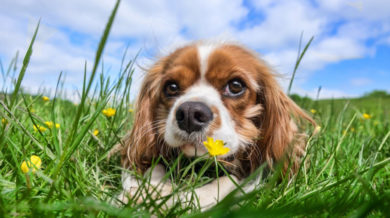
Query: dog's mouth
{"x":193,"y":149}
{"x":192,"y":144}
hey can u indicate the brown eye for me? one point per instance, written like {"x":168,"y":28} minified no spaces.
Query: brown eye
{"x":234,"y":88}
{"x":171,"y":89}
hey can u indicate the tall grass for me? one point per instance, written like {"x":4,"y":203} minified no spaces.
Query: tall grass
{"x":348,"y":172}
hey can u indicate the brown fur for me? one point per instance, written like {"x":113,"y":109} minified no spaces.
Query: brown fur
{"x":265,"y":117}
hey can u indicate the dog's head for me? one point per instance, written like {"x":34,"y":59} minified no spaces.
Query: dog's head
{"x":217,"y":90}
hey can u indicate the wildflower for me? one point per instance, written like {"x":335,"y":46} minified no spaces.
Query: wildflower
{"x":313,"y":111}
{"x":95,"y":132}
{"x":45,"y":98}
{"x":50,"y":124}
{"x":367,"y":116}
{"x":215,"y":147}
{"x":39,"y":127}
{"x":4,"y":121}
{"x":34,"y":164}
{"x":131,"y":110}
{"x":109,"y":112}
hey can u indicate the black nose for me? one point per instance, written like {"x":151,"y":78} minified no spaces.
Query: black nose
{"x":192,"y":116}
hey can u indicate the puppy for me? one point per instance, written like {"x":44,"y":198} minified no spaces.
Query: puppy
{"x":219,"y":90}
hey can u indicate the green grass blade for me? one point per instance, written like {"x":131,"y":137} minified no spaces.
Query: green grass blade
{"x":26,"y":61}
{"x":300,"y":57}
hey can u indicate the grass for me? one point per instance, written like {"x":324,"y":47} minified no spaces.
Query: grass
{"x":348,"y":175}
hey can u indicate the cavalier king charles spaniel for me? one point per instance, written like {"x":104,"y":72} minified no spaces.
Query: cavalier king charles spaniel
{"x":217,"y":90}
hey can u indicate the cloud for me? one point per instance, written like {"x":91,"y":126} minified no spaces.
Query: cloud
{"x":71,"y":29}
{"x":325,"y":93}
{"x":361,"y":81}
{"x":283,"y":23}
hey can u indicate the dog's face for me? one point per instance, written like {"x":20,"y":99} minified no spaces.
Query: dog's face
{"x":208,"y":90}
{"x":217,"y":90}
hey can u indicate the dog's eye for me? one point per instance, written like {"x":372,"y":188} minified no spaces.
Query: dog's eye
{"x":234,"y":88}
{"x":171,"y":89}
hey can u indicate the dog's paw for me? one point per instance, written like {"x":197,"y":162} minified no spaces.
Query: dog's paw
{"x":153,"y":186}
{"x":146,"y":193}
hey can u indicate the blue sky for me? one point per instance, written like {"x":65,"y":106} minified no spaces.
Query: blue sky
{"x":349,"y":56}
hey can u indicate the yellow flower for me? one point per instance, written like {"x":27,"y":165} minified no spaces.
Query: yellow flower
{"x":4,"y":121}
{"x":34,"y":164}
{"x":50,"y":124}
{"x":45,"y":98}
{"x":313,"y":111}
{"x":95,"y":132}
{"x":367,"y":116}
{"x":39,"y":127}
{"x":131,"y":110}
{"x":317,"y":129}
{"x":215,"y":147}
{"x":109,"y":112}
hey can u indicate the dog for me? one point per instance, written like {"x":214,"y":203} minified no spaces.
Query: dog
{"x":219,"y":90}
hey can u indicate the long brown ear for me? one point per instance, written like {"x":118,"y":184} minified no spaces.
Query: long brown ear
{"x":280,"y":138}
{"x":140,"y":146}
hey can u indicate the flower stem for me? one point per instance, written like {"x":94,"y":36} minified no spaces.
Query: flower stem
{"x":28,"y":180}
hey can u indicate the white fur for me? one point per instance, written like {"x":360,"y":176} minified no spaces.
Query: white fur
{"x":204,"y":92}
{"x":191,"y":144}
{"x":207,"y":195}
{"x":207,"y":94}
{"x":204,"y":52}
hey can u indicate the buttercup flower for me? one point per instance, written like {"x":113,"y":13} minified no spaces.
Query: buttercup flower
{"x":50,"y":124}
{"x":367,"y":116}
{"x":34,"y":164}
{"x":109,"y":112}
{"x":95,"y":132}
{"x":313,"y":111}
{"x":131,"y":110}
{"x":215,"y":147}
{"x":45,"y":98}
{"x":39,"y":127}
{"x":4,"y":121}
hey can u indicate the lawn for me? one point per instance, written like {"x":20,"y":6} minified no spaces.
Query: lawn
{"x":347,"y":172}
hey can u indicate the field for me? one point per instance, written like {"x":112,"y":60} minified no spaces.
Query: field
{"x":348,"y":174}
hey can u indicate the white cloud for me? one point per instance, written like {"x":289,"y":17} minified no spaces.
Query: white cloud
{"x":324,"y":93}
{"x":70,"y":30}
{"x":283,"y":23}
{"x":372,"y":10}
{"x":360,"y":81}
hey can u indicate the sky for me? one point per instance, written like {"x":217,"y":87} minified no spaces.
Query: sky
{"x":350,"y":54}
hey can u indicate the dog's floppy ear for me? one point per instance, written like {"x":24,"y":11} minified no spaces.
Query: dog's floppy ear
{"x":279,"y":134}
{"x":140,"y":146}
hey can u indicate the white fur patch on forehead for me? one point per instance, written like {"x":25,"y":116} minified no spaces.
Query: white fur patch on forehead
{"x":204,"y":51}
{"x":202,"y":91}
